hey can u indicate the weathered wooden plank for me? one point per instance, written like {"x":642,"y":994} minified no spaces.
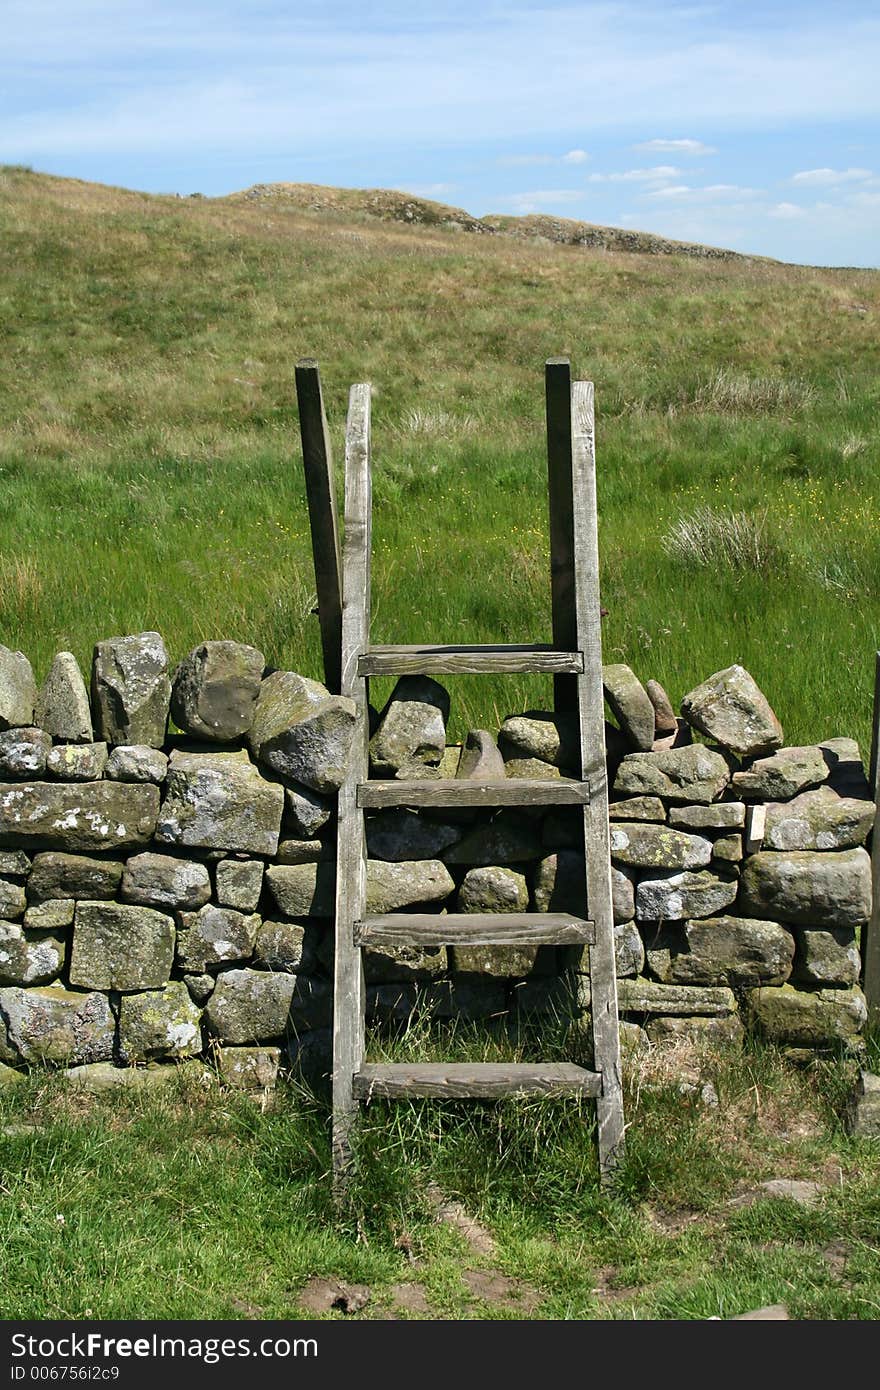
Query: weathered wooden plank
{"x":351,"y":854}
{"x":475,"y":660}
{"x":591,"y":714}
{"x":557,"y":391}
{"x":473,"y":1080}
{"x":871,"y":941}
{"x":321,"y":499}
{"x":474,"y":929}
{"x":458,"y":791}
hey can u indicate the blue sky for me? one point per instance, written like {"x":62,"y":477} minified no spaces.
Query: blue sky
{"x":747,"y":125}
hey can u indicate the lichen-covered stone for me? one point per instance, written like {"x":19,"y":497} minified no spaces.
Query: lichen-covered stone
{"x":812,"y":889}
{"x":531,"y":769}
{"x":499,"y":962}
{"x":862,"y":1117}
{"x":806,"y":1018}
{"x":23,"y":753}
{"x":306,"y":812}
{"x":304,"y":851}
{"x":131,"y":689}
{"x":100,"y":1077}
{"x":63,"y":708}
{"x":638,"y":808}
{"x":650,"y":846}
{"x":72,"y":876}
{"x":480,"y":759}
{"x":120,"y":947}
{"x":135,"y":762}
{"x":55,"y":1025}
{"x":697,"y":893}
{"x":629,"y":950}
{"x":692,"y":774}
{"x":647,"y":997}
{"x":827,"y":957}
{"x":412,"y":726}
{"x":12,"y":900}
{"x":549,"y":738}
{"x":507,"y":839}
{"x":50,"y":915}
{"x":730,"y":708}
{"x":493,"y":888}
{"x":162,"y":1023}
{"x":302,"y":732}
{"x":248,"y":1068}
{"x":28,"y":957}
{"x":400,"y":834}
{"x":77,"y":762}
{"x":393,"y":886}
{"x":728,"y":849}
{"x":220,"y":801}
{"x":818,"y":820}
{"x":252,"y":1006}
{"x":85,"y":816}
{"x":630,"y":704}
{"x":721,"y":815}
{"x":735,"y":951}
{"x":239,"y":883}
{"x":303,"y":890}
{"x":782,"y":775}
{"x":14,"y":863}
{"x":200,"y":987}
{"x":215,"y":690}
{"x":388,"y":964}
{"x":160,"y":880}
{"x":700,"y":1030}
{"x":284,"y":946}
{"x":215,"y":936}
{"x":18,"y":690}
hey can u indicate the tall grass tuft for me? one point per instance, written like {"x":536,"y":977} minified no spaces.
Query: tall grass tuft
{"x":737,"y":393}
{"x":724,"y":539}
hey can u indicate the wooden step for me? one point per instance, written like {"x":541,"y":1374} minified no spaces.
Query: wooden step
{"x":470,"y":660}
{"x":460,"y":791}
{"x":474,"y":929}
{"x":477,"y":1080}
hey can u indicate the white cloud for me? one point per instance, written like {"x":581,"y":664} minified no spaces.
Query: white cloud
{"x":572,"y":157}
{"x":708,"y":193}
{"x":575,"y":157}
{"x":823,"y":178}
{"x":674,"y":190}
{"x":655,"y":175}
{"x":786,"y":211}
{"x":689,"y":147}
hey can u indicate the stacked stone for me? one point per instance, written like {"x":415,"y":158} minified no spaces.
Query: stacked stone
{"x":140,"y":918}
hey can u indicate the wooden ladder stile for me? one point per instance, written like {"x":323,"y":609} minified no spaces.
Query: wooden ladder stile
{"x":574,"y":659}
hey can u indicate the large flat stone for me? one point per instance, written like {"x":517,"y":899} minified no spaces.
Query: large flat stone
{"x":120,"y":947}
{"x":67,"y":876}
{"x":679,"y":896}
{"x":131,"y":689}
{"x":735,"y":951}
{"x":85,"y":816}
{"x":303,"y":890}
{"x":691,"y":774}
{"x":220,"y":801}
{"x":647,"y":997}
{"x":730,"y":708}
{"x":818,"y":820}
{"x":812,"y":889}
{"x":806,"y":1018}
{"x":393,"y":886}
{"x":56,"y":1025}
{"x":783,"y":775}
{"x":651,"y":846}
{"x":160,"y":880}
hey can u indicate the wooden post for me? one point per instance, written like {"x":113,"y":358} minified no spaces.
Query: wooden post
{"x":351,"y":855}
{"x":318,"y":465}
{"x":557,"y":389}
{"x":871,"y":939}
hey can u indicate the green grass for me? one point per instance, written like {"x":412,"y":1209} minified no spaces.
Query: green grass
{"x":199,"y":1205}
{"x":149,"y":451}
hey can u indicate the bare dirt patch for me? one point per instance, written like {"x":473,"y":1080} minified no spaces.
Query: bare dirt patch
{"x":491,"y":1286}
{"x":332,"y":1295}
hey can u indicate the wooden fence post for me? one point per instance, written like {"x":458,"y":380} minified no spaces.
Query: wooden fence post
{"x":321,"y":497}
{"x":871,"y":941}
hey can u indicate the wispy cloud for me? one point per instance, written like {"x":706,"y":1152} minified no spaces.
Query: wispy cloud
{"x":826,"y":178}
{"x":575,"y":157}
{"x":689,"y":147}
{"x":572,"y":157}
{"x":655,"y":175}
{"x":786,"y":211}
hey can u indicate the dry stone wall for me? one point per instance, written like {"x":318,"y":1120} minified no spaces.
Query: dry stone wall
{"x":168,"y":897}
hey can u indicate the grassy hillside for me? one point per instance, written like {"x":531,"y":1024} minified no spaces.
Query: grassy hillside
{"x":149,"y":451}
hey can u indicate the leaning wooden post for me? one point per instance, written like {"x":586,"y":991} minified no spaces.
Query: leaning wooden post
{"x":871,"y":941}
{"x":321,"y":497}
{"x":351,"y":853}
